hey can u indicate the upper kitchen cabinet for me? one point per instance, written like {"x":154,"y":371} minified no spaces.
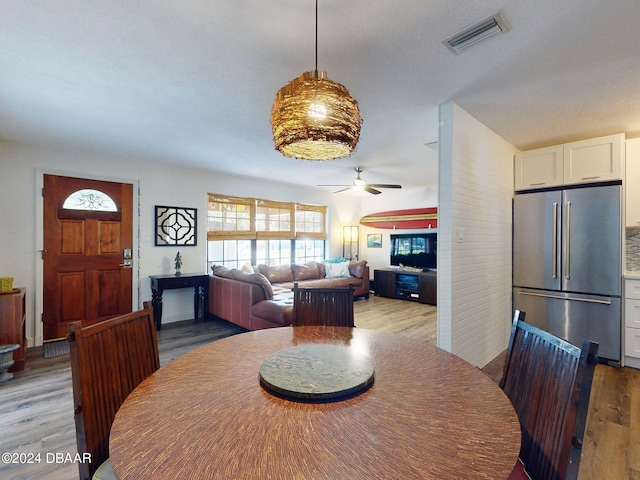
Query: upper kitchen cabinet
{"x":539,"y":168}
{"x":594,"y":160}
{"x":632,"y":183}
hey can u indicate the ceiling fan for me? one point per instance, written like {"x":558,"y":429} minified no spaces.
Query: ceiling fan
{"x":359,"y":184}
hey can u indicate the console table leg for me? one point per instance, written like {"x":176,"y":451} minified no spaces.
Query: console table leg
{"x":198,"y":304}
{"x":156,"y":302}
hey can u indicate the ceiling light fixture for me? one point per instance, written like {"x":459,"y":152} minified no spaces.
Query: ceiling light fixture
{"x":313,"y":118}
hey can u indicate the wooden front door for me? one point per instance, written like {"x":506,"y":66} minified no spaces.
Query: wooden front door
{"x":88,"y":240}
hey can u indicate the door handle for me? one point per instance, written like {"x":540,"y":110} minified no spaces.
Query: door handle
{"x":570,"y":299}
{"x":127,"y":264}
{"x":554,"y":247}
{"x":567,"y":240}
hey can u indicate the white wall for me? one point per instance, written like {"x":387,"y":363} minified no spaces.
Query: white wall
{"x":474,"y":271}
{"x":22,"y":167}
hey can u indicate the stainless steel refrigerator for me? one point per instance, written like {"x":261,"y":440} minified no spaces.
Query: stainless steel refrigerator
{"x":567,"y":266}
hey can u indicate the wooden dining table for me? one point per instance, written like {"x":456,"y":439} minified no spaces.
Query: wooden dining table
{"x":205,"y":415}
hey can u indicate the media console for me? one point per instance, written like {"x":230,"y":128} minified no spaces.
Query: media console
{"x":417,"y":286}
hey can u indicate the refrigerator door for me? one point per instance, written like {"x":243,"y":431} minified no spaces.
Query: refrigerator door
{"x":574,"y":317}
{"x":591,"y":249}
{"x":536,"y":240}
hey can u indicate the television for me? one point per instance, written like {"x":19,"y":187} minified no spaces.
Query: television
{"x":416,"y":250}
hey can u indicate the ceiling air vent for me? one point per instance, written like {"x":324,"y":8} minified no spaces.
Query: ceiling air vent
{"x":477,"y":33}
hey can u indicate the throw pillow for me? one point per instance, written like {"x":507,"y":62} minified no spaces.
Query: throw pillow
{"x":247,"y":267}
{"x":334,"y":270}
{"x":335,"y":260}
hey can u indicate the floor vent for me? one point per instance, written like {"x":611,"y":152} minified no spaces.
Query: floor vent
{"x":476,"y":34}
{"x":56,"y":348}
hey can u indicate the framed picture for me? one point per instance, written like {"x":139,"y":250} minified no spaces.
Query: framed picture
{"x":176,"y":226}
{"x":374,"y":240}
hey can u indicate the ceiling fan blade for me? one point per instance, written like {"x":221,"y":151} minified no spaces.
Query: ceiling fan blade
{"x":384,"y":185}
{"x":371,"y":190}
{"x":342,"y":190}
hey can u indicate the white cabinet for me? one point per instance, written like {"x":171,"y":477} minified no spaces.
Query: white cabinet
{"x":539,"y":168}
{"x":632,"y":322}
{"x":594,"y":160}
{"x":632,"y":184}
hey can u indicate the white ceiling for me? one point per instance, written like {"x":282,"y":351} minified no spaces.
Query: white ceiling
{"x":192,"y":81}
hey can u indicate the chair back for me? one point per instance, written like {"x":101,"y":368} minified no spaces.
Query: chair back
{"x":323,"y":306}
{"x":548,"y":381}
{"x":108,"y":360}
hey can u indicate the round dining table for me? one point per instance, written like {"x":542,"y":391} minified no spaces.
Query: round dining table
{"x":426,"y":414}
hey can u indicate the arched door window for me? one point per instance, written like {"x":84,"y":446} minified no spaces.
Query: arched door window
{"x":90,"y":199}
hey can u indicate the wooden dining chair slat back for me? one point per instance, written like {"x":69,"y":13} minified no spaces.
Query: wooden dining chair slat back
{"x":108,"y":360}
{"x":323,"y":306}
{"x":548,"y":381}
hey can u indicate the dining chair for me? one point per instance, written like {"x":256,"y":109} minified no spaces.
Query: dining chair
{"x":548,"y":381}
{"x":323,"y":306}
{"x":108,"y":360}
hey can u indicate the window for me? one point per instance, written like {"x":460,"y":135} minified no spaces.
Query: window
{"x":230,"y":253}
{"x":89,"y":199}
{"x":236,"y":253}
{"x":230,"y":217}
{"x":309,"y":249}
{"x":244,"y":230}
{"x":273,"y":252}
{"x":274,"y":219}
{"x":310,"y":221}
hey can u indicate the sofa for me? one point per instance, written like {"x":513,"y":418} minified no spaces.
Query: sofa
{"x":261,"y":297}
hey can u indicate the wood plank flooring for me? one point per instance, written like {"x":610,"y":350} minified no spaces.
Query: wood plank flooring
{"x":36,"y":408}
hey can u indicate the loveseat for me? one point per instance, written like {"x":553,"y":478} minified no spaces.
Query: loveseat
{"x":261,"y":297}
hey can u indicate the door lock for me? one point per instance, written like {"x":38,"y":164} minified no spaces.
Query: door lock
{"x":127,"y":264}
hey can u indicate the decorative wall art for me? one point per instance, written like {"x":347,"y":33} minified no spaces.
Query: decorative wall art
{"x":374,"y":240}
{"x":176,"y":226}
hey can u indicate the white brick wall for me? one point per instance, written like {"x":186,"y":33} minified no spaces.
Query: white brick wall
{"x":474,"y":274}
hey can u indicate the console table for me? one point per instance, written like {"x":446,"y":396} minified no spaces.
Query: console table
{"x":198,"y":281}
{"x":418,"y":286}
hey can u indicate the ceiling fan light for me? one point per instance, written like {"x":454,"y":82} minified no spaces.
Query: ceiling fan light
{"x":314,"y":118}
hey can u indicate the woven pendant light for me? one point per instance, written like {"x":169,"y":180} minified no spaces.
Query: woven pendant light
{"x":314,"y":118}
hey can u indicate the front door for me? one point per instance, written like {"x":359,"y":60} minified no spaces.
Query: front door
{"x":88,"y":240}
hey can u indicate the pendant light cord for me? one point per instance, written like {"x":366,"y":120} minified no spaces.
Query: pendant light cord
{"x":316,"y":37}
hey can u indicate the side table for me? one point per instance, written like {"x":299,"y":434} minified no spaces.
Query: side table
{"x":13,"y":324}
{"x":198,"y":281}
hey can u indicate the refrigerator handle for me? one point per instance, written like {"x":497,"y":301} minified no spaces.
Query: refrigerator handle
{"x":567,"y":240}
{"x":569,"y":299}
{"x":554,"y":247}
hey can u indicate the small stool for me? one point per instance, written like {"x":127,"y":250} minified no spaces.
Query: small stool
{"x":6,"y":360}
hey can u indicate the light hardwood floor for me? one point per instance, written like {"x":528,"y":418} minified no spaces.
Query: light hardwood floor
{"x":36,"y":408}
